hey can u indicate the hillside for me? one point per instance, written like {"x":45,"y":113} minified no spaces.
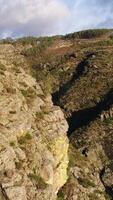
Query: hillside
{"x":54,"y":90}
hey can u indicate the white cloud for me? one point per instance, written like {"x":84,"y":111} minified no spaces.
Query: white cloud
{"x":32,"y":17}
{"x":46,"y":17}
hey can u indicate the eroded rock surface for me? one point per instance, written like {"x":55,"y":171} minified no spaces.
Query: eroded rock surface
{"x":33,"y":141}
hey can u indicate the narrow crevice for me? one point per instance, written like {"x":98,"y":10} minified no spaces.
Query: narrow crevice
{"x":4,"y":193}
{"x":84,"y":117}
{"x":81,"y":69}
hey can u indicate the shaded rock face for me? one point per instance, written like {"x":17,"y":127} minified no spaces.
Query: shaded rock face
{"x":33,"y":141}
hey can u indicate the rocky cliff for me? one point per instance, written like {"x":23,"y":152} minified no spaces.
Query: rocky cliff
{"x":33,"y":134}
{"x":45,"y":82}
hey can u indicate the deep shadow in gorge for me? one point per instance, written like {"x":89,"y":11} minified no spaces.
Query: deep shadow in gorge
{"x":81,"y":69}
{"x":84,"y":117}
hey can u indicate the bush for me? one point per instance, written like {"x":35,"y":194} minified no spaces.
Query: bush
{"x":2,"y":67}
{"x":12,"y":143}
{"x":60,"y":195}
{"x":29,"y":93}
{"x":40,"y":115}
{"x":47,"y":85}
{"x":18,"y":165}
{"x":45,"y":79}
{"x":85,"y":182}
{"x":27,"y":40}
{"x":87,"y":34}
{"x":7,"y":41}
{"x":23,"y":139}
{"x":109,"y":120}
{"x":38,"y":180}
{"x":93,"y":196}
{"x":36,"y":49}
{"x":108,"y":42}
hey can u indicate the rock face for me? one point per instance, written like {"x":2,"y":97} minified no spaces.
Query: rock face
{"x":33,"y":141}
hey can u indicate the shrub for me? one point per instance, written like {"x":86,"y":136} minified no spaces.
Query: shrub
{"x":11,"y":90}
{"x":2,"y":67}
{"x":23,"y":139}
{"x":47,"y":85}
{"x":93,"y":196}
{"x":27,"y":40}
{"x":46,"y":80}
{"x":109,"y":120}
{"x":7,"y":41}
{"x":18,"y":165}
{"x":85,"y":182}
{"x":108,"y":42}
{"x":44,"y":111}
{"x":87,"y":34}
{"x":39,"y":115}
{"x":28,"y":93}
{"x":75,"y":156}
{"x":12,"y":143}
{"x":35,"y":50}
{"x":60,"y":195}
{"x":38,"y":180}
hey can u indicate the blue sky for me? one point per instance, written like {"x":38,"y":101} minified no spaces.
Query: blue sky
{"x":49,"y":17}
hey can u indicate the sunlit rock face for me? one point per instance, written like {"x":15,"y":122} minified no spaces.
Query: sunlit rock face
{"x":33,"y":135}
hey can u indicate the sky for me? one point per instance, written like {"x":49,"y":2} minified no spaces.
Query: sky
{"x":20,"y":18}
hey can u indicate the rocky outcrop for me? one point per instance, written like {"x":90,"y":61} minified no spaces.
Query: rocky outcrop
{"x":33,"y":141}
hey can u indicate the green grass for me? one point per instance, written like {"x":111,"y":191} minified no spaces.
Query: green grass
{"x":93,"y":196}
{"x":102,"y":43}
{"x":2,"y":67}
{"x":109,"y":120}
{"x":27,"y":40}
{"x":23,"y":139}
{"x":85,"y":182}
{"x":28,"y":92}
{"x":47,"y":85}
{"x":24,"y":92}
{"x":36,"y":49}
{"x":18,"y":165}
{"x":40,"y":115}
{"x":29,"y":95}
{"x":44,"y":111}
{"x":12,"y":143}
{"x":36,"y":40}
{"x":75,"y":157}
{"x":60,"y":195}
{"x":38,"y":180}
{"x":45,"y":79}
